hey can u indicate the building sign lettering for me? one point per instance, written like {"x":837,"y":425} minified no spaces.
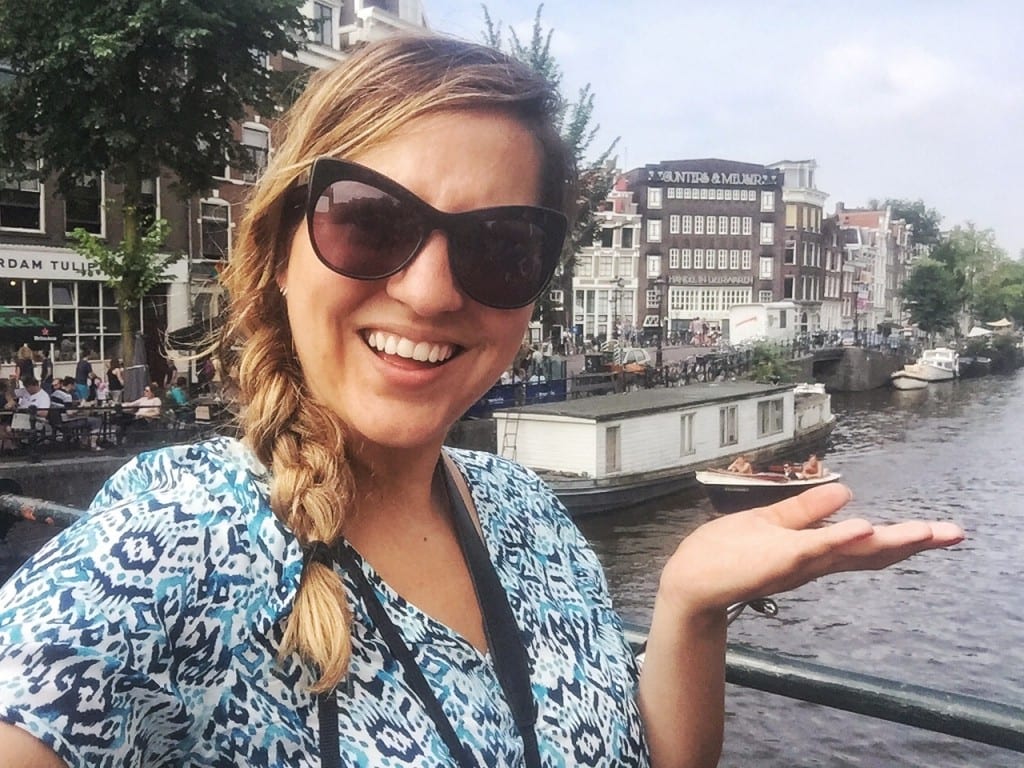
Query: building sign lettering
{"x":702,"y":279}
{"x":766,"y":179}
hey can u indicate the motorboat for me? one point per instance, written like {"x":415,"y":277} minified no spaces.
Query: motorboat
{"x":731,"y":491}
{"x":934,"y":365}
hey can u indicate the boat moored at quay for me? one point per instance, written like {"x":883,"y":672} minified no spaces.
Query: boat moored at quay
{"x":614,"y":451}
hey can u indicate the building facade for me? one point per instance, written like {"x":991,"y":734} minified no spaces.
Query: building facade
{"x":710,"y":238}
{"x":606,"y":278}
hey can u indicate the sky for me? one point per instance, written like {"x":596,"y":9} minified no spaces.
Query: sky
{"x":912,"y":99}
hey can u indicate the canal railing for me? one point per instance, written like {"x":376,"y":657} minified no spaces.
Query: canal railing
{"x":953,"y":714}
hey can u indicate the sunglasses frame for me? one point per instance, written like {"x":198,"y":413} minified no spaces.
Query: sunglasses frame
{"x":326,"y":171}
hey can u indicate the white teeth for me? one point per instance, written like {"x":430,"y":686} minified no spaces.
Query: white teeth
{"x":423,"y":351}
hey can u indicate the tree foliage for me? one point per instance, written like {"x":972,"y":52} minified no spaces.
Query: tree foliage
{"x":925,"y":221}
{"x":597,"y":173}
{"x":130,"y":87}
{"x":971,"y":256}
{"x":931,"y":296}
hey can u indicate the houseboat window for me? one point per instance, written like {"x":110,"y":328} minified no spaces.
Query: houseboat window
{"x":769,"y":417}
{"x":728,"y":432}
{"x":611,"y":449}
{"x":686,"y":446}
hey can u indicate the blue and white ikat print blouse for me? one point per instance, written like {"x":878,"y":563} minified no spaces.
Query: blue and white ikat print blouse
{"x":147,"y":633}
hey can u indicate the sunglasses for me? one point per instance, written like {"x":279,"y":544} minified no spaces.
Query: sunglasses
{"x":366,"y":226}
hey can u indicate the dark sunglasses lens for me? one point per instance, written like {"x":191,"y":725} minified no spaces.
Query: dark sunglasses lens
{"x":501,"y":263}
{"x":363,"y":232}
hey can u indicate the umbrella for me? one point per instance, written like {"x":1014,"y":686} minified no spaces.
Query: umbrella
{"x":1004,"y":323}
{"x":978,"y":331}
{"x":18,"y":328}
{"x":136,"y":374}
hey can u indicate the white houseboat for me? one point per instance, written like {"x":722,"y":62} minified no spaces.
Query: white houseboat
{"x":614,"y":451}
{"x":939,"y":364}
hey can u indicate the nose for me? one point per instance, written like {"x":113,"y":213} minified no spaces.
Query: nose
{"x":427,"y":284}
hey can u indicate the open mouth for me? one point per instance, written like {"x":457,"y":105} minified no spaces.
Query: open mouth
{"x":420,"y":351}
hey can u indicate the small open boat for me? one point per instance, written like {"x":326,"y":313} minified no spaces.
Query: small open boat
{"x":731,"y":491}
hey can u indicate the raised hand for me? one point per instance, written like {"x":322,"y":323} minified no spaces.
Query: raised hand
{"x":768,"y":550}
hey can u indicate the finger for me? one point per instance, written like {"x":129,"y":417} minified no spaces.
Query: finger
{"x":916,"y":535}
{"x":809,"y":507}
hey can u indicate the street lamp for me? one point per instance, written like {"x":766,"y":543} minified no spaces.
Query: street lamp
{"x":616,"y":295}
{"x":661,"y":282}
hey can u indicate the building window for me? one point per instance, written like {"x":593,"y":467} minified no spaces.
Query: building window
{"x":653,"y":298}
{"x":653,"y":265}
{"x":698,"y":225}
{"x":607,"y":237}
{"x":21,"y":203}
{"x":767,"y":201}
{"x":734,"y":225}
{"x":556,"y":297}
{"x":710,"y":227}
{"x":764,"y":296}
{"x":745,"y":259}
{"x":748,"y":225}
{"x":654,"y":230}
{"x":256,"y":141}
{"x":627,"y":237}
{"x":734,"y":258}
{"x":673,"y":224}
{"x":323,"y":24}
{"x":670,"y":193}
{"x":769,"y":417}
{"x":83,"y":206}
{"x":687,"y":224}
{"x":215,"y":220}
{"x":728,"y":432}
{"x":767,"y":233}
{"x":698,"y":258}
{"x":149,"y":204}
{"x":787,"y":288}
{"x":790,"y":254}
{"x":604,"y":265}
{"x":723,"y":225}
{"x":654,"y":197}
{"x":685,"y":259}
{"x":791,"y":216}
{"x":686,"y":443}
{"x":723,"y":258}
{"x":673,"y":258}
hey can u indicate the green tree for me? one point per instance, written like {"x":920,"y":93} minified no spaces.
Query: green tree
{"x":130,"y":87}
{"x":931,"y":297}
{"x":971,"y":255}
{"x":597,"y":173}
{"x":924,"y":220}
{"x":1000,"y":293}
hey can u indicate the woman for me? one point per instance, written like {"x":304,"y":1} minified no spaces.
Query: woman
{"x":115,"y":380}
{"x":26,"y":363}
{"x":382,"y":280}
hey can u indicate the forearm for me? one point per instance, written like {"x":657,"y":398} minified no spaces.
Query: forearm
{"x":682,"y":687}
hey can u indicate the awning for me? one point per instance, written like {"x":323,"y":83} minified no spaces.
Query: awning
{"x":1004,"y":323}
{"x":978,"y":331}
{"x":16,"y":327}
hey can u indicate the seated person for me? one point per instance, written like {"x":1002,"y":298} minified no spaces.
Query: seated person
{"x":31,"y":394}
{"x":741,"y":465}
{"x":65,"y":395}
{"x":790,"y":472}
{"x":812,"y":467}
{"x":177,"y":395}
{"x":145,"y":408}
{"x":65,"y":398}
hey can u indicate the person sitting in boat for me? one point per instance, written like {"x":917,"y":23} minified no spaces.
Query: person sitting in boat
{"x":812,"y":468}
{"x":741,"y":466}
{"x":790,"y":472}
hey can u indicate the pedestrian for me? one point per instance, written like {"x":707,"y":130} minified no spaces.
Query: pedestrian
{"x":83,"y":374}
{"x":338,"y":588}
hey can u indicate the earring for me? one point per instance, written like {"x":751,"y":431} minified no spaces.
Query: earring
{"x":284,"y":290}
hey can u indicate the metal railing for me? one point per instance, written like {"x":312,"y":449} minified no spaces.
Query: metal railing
{"x":953,"y":714}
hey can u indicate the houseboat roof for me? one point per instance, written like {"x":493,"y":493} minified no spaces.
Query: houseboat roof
{"x":646,"y":401}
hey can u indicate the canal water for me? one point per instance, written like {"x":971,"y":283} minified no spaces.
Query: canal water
{"x":947,"y":620}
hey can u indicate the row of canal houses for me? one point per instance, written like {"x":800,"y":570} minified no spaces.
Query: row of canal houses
{"x":679,"y":240}
{"x":683,"y":240}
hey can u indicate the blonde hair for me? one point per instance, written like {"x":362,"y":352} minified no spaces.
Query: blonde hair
{"x":344,"y":111}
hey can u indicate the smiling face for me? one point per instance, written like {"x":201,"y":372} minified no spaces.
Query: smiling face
{"x":399,"y":359}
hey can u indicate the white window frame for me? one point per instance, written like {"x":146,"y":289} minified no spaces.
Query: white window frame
{"x":654,"y":230}
{"x":219,"y":202}
{"x":685,"y":259}
{"x":767,"y":235}
{"x":654,"y":197}
{"x":698,"y":225}
{"x":687,"y":224}
{"x":710,"y":225}
{"x":748,"y":225}
{"x":767,"y":201}
{"x":728,"y":425}
{"x":766,"y":268}
{"x":734,"y":258}
{"x":745,"y":259}
{"x":673,"y":224}
{"x":698,"y":258}
{"x":673,"y":258}
{"x":102,"y":181}
{"x":40,"y":190}
{"x":654,"y":265}
{"x":723,"y":258}
{"x":734,"y":225}
{"x":256,"y":129}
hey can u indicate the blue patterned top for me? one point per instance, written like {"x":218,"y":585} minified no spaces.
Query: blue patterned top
{"x":147,"y":633}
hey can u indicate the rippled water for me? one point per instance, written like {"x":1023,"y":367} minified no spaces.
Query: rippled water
{"x":947,"y":620}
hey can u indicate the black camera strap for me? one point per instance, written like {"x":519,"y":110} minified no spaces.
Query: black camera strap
{"x":508,"y":653}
